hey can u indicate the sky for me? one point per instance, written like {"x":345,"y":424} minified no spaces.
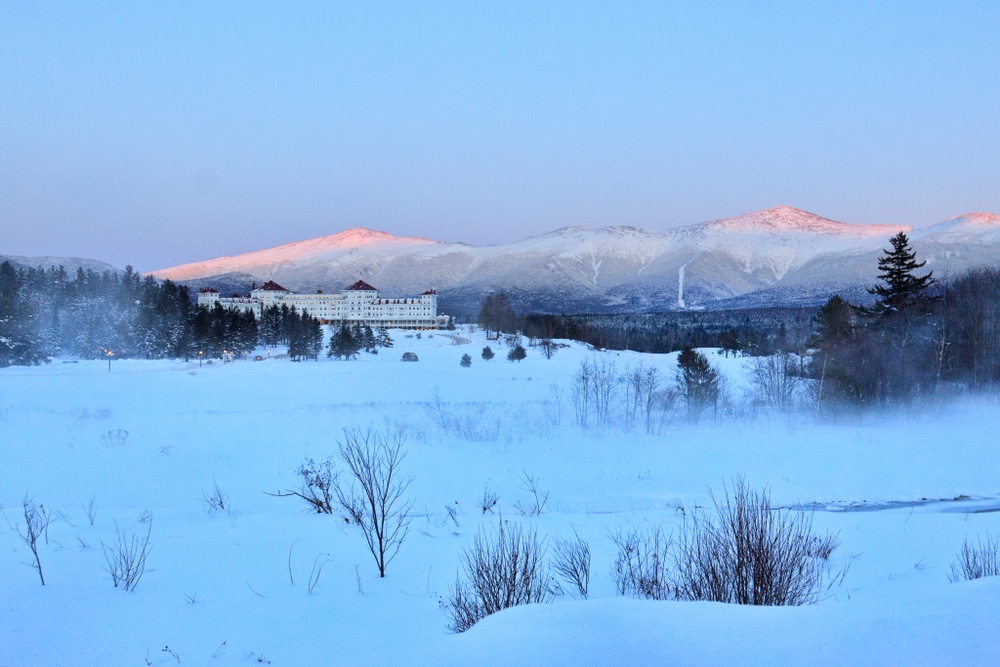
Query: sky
{"x":154,"y":134}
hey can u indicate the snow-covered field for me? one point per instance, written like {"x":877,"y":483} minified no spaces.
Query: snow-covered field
{"x":147,"y":441}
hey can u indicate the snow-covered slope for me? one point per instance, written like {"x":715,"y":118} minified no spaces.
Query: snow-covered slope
{"x":776,"y":256}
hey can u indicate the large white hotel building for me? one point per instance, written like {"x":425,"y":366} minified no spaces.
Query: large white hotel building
{"x":359,"y":303}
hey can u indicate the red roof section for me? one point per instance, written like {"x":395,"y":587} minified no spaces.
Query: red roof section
{"x":363,"y":286}
{"x":207,"y":290}
{"x":272,"y":286}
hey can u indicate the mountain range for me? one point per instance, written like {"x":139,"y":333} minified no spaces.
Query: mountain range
{"x":777,"y":256}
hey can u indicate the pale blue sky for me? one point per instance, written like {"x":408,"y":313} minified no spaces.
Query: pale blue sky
{"x":159,"y":133}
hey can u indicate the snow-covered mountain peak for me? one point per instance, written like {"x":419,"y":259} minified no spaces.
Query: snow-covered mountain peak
{"x":979,"y":218}
{"x":788,"y":219}
{"x":972,"y":225}
{"x":362,"y":236}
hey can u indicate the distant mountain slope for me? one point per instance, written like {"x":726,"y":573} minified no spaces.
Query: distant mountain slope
{"x":778,"y":256}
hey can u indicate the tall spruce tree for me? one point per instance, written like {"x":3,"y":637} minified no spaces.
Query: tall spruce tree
{"x":902,"y":290}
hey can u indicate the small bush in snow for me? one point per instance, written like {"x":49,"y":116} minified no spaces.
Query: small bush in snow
{"x":216,"y":499}
{"x":516,"y":354}
{"x":409,"y":356}
{"x":500,"y":572}
{"x":126,"y":558}
{"x":466,"y":361}
{"x":751,"y":553}
{"x":487,"y":353}
{"x":975,"y":562}
{"x":571,"y":561}
{"x":316,"y":485}
{"x":489,"y":501}
{"x":641,"y":565}
{"x":115,"y":438}
{"x":539,"y":496}
{"x":36,"y":524}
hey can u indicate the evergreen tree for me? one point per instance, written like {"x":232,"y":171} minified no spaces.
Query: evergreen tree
{"x":517,"y":353}
{"x":835,"y":323}
{"x":487,"y":353}
{"x":342,"y":344}
{"x":314,"y":333}
{"x":368,"y":341}
{"x":697,"y":380}
{"x":270,"y":326}
{"x":20,"y":340}
{"x":383,"y":338}
{"x":466,"y":361}
{"x":902,"y":289}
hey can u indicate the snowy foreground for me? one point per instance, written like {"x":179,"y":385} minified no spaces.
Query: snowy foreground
{"x":148,"y":440}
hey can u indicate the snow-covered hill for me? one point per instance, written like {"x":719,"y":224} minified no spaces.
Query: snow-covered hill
{"x":777,"y":256}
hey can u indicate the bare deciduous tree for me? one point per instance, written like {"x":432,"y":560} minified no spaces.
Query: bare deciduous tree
{"x":374,"y":499}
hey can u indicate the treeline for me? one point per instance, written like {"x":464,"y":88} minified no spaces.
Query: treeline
{"x":47,"y":312}
{"x":936,"y":337}
{"x":757,"y":331}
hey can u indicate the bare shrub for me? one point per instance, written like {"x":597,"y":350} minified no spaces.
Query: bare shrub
{"x":374,"y":499}
{"x":776,"y":379}
{"x":553,"y":406}
{"x":317,"y":570}
{"x":641,"y":566}
{"x":594,"y":391}
{"x":316,"y":485}
{"x":489,"y":500}
{"x":501,"y":571}
{"x":642,"y":395}
{"x":92,"y":510}
{"x":36,"y":524}
{"x":975,"y":562}
{"x":539,"y":497}
{"x":751,"y":553}
{"x":571,"y":561}
{"x":117,"y":437}
{"x":215,"y":499}
{"x":126,"y":558}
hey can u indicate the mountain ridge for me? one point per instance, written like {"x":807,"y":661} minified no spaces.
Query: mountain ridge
{"x":769,"y":257}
